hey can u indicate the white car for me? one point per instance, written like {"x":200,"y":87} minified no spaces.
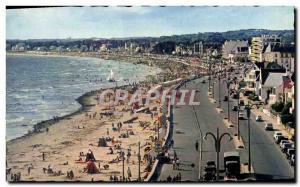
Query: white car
{"x":241,"y":116}
{"x":277,"y":134}
{"x":269,"y":127}
{"x":258,"y":118}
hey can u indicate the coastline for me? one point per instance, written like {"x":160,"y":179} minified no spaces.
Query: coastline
{"x":61,"y":136}
{"x":84,"y":105}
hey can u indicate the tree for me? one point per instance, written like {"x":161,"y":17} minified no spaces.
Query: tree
{"x":285,"y":118}
{"x":286,"y":108}
{"x":278,"y":106}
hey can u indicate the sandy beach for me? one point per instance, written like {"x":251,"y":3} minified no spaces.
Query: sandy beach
{"x":62,"y":143}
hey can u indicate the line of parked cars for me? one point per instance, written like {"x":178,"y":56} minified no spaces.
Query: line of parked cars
{"x":286,"y":146}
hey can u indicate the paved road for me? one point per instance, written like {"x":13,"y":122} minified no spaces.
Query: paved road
{"x":186,"y":132}
{"x":268,"y":161}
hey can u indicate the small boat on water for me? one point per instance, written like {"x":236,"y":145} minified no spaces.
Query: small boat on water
{"x":111,"y":77}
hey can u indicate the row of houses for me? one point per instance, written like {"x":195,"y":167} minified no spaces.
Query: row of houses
{"x":263,"y":49}
{"x":270,"y":82}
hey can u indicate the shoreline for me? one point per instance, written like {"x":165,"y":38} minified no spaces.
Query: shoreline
{"x":84,"y":105}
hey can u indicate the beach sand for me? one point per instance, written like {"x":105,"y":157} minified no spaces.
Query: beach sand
{"x":78,"y":133}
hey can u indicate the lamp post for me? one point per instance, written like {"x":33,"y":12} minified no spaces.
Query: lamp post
{"x":209,"y":77}
{"x":213,"y":89}
{"x":139,"y":160}
{"x":201,"y":144}
{"x":217,"y":140}
{"x":228,"y":83}
{"x":248,"y":110}
{"x":238,"y":113}
{"x":219,"y":80}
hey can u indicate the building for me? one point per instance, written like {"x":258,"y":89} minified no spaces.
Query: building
{"x":269,"y":87}
{"x":256,"y":49}
{"x":235,"y":50}
{"x":259,"y":44}
{"x":19,"y":47}
{"x":284,"y":56}
{"x":255,"y":78}
{"x":198,"y":49}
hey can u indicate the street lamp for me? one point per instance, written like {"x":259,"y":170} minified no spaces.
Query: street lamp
{"x":217,"y":140}
{"x":228,"y":83}
{"x":248,"y":110}
{"x":238,"y":113}
{"x":201,"y":144}
{"x":219,"y":80}
{"x":139,"y":160}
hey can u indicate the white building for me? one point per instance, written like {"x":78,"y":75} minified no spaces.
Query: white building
{"x":235,"y":50}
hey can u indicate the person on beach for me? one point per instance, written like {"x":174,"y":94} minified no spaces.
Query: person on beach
{"x":197,"y":145}
{"x":107,"y":131}
{"x":129,"y":173}
{"x":177,"y":163}
{"x":174,"y":164}
{"x":175,"y":155}
{"x":172,"y":143}
{"x":43,"y":155}
{"x":179,"y":176}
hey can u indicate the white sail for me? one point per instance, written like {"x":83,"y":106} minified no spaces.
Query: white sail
{"x":111,"y":77}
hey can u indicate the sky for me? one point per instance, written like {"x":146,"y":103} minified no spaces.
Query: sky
{"x":116,"y":22}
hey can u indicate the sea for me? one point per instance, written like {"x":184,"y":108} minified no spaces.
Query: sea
{"x":40,"y":87}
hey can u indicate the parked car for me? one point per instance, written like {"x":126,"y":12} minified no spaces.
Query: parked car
{"x":235,"y":108}
{"x":283,"y":142}
{"x":247,"y":93}
{"x":234,"y":96}
{"x":277,"y":134}
{"x":210,"y":171}
{"x":210,"y":164}
{"x":286,"y":146}
{"x":290,"y":152}
{"x":242,"y":103}
{"x":258,"y":118}
{"x":225,"y":98}
{"x":269,"y":127}
{"x":279,"y":138}
{"x":292,"y":160}
{"x":241,"y":116}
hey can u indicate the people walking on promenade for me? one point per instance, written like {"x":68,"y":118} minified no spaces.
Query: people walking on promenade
{"x":197,"y":145}
{"x":177,"y":163}
{"x":172,"y":143}
{"x":174,"y":164}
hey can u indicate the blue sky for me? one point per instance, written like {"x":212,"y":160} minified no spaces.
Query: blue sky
{"x":108,"y":22}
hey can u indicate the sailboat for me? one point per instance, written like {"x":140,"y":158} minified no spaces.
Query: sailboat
{"x":111,"y":77}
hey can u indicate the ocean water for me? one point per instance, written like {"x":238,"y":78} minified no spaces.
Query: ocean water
{"x":40,"y":87}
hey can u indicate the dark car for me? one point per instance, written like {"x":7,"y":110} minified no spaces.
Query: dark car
{"x":247,"y":93}
{"x":210,"y":171}
{"x":235,"y":108}
{"x":279,"y":138}
{"x":203,"y":81}
{"x":225,"y":98}
{"x":242,"y":103}
{"x":210,"y":163}
{"x":286,"y":146}
{"x":234,"y":96}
